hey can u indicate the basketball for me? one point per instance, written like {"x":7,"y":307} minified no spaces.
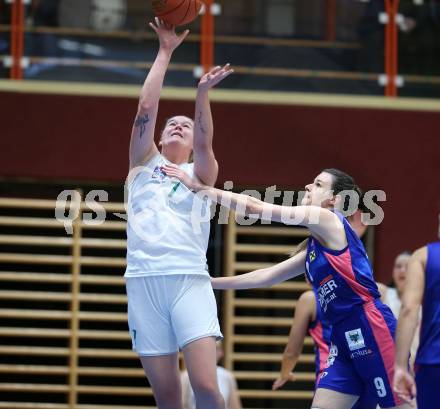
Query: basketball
{"x":177,"y":12}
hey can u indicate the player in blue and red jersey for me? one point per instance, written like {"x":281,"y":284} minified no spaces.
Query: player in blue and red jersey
{"x":337,"y":265}
{"x":422,"y":289}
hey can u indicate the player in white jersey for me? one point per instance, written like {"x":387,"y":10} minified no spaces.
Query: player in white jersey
{"x":171,"y":304}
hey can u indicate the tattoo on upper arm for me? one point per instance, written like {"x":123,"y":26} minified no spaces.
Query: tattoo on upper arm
{"x":141,"y":122}
{"x":200,"y":120}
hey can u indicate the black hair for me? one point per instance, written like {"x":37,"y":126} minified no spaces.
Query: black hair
{"x":343,"y":181}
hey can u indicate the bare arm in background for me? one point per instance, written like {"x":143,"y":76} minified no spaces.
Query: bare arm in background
{"x":305,"y":312}
{"x":404,"y":384}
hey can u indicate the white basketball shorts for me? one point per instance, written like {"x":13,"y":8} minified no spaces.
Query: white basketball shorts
{"x":168,"y":312}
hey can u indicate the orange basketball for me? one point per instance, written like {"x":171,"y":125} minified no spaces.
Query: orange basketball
{"x":177,"y":12}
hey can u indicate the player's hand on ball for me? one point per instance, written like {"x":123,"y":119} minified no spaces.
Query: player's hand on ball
{"x":175,"y":172}
{"x":404,"y":385}
{"x":213,"y":77}
{"x":282,"y":380}
{"x":168,"y":38}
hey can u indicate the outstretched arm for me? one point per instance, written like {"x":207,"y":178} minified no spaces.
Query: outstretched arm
{"x":323,"y":223}
{"x":265,"y":277}
{"x":304,"y":313}
{"x":412,"y":298}
{"x":205,"y":165}
{"x":142,"y":146}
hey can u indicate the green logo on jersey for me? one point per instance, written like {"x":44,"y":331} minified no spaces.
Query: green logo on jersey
{"x":174,"y":189}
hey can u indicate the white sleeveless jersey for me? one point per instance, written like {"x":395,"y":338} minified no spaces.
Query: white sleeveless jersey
{"x":167,"y":226}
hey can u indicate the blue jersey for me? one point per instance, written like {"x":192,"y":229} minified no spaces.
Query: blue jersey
{"x":429,"y":348}
{"x":341,"y":279}
{"x":361,"y":359}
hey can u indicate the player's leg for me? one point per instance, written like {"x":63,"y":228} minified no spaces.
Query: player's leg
{"x":164,"y":378}
{"x":195,"y":324}
{"x":200,"y":360}
{"x":330,"y":399}
{"x":153,"y":338}
{"x":367,"y":400}
{"x":370,"y":344}
{"x":338,"y":386}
